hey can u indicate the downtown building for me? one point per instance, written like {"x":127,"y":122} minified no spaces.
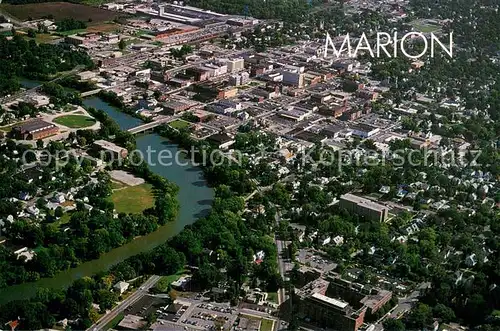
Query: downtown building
{"x":338,"y":304}
{"x":364,"y":207}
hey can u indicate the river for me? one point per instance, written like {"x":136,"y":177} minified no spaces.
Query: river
{"x":195,"y":199}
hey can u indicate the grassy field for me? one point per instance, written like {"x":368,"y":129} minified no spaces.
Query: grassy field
{"x":64,"y":219}
{"x":75,"y":121}
{"x":425,"y":27}
{"x":103,"y":27}
{"x":70,"y":32}
{"x":43,"y":38}
{"x":59,"y":11}
{"x":133,"y":199}
{"x":272,"y":297}
{"x":163,"y":283}
{"x":117,"y":185}
{"x":179,"y":124}
{"x":266,"y":325}
{"x":9,"y":127}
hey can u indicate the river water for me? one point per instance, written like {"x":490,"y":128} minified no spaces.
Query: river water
{"x":195,"y":199}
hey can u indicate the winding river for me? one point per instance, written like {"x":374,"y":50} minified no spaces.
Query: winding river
{"x":195,"y":199}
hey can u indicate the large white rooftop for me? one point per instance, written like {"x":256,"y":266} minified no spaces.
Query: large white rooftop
{"x":332,"y":301}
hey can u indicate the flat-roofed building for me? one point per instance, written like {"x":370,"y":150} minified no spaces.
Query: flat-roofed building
{"x":331,"y":313}
{"x":339,"y":304}
{"x":364,"y":130}
{"x":295,"y":115}
{"x":115,"y":150}
{"x":221,"y":140}
{"x":370,"y":297}
{"x":364,"y":207}
{"x":234,"y":65}
{"x":34,"y":129}
{"x":175,"y":106}
{"x":132,"y":322}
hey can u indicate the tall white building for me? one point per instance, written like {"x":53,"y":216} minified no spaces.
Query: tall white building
{"x":234,"y":65}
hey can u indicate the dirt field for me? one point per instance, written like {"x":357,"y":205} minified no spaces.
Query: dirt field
{"x":104,"y":27}
{"x":59,"y":10}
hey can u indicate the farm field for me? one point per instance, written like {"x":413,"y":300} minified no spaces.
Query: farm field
{"x":59,"y":11}
{"x":75,"y":121}
{"x":103,"y":27}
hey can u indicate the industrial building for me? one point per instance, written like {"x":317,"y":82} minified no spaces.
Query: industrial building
{"x":364,"y":207}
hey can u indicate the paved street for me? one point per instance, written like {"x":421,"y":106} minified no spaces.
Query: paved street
{"x":136,"y":296}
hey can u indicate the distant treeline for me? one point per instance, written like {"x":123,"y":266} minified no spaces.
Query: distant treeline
{"x":68,"y":24}
{"x":24,"y":2}
{"x":288,"y":10}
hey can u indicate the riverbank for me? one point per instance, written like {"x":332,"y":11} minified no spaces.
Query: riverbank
{"x":195,"y":200}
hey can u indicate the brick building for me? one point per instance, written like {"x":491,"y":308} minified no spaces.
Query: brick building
{"x":34,"y":130}
{"x":339,"y":304}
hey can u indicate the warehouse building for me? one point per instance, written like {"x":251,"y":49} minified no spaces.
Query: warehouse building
{"x":34,"y":130}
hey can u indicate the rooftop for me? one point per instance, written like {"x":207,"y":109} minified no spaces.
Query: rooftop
{"x":109,"y":146}
{"x":362,"y":201}
{"x":331,"y":301}
{"x":34,"y":125}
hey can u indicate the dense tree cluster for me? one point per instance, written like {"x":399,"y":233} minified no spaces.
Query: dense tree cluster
{"x":289,"y":10}
{"x":180,"y":53}
{"x":91,"y":232}
{"x":68,"y":24}
{"x":59,"y":95}
{"x":222,"y":240}
{"x":22,"y":58}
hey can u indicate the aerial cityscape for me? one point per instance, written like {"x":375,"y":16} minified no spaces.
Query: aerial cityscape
{"x":256,"y":165}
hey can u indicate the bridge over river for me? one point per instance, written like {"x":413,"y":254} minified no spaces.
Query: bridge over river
{"x":149,"y":126}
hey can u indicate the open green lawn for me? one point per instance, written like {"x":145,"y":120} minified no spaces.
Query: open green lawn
{"x":70,"y":32}
{"x":44,"y":38}
{"x":9,"y":127}
{"x":133,"y":199}
{"x":266,"y":325}
{"x":75,"y":121}
{"x":164,"y":281}
{"x":425,"y":28}
{"x":179,"y":124}
{"x":272,"y":297}
{"x":117,"y":185}
{"x":64,"y":219}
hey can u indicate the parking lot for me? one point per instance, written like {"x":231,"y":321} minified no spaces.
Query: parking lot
{"x":146,"y":305}
{"x":200,"y":316}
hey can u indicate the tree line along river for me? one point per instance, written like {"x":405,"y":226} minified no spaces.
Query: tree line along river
{"x":195,"y":199}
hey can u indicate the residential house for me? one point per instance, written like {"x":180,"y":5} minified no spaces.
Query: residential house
{"x":471,"y":260}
